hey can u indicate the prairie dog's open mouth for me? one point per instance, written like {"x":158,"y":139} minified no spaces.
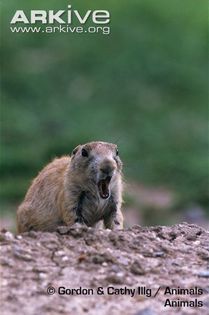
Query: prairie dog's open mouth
{"x":103,"y":186}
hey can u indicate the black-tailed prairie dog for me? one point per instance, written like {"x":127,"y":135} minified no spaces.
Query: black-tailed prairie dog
{"x":85,"y":187}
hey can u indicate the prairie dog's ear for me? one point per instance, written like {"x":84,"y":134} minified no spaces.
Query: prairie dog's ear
{"x":75,"y":150}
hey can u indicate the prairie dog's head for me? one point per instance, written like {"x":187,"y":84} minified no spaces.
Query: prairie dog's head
{"x":98,"y":162}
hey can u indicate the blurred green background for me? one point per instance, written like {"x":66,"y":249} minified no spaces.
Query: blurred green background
{"x":144,"y":87}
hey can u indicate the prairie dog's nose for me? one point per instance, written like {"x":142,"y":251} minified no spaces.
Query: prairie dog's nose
{"x":107,"y":167}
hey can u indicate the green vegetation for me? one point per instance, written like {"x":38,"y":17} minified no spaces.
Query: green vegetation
{"x":144,"y":86}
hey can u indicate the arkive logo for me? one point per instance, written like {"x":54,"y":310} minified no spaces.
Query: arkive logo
{"x":99,"y":19}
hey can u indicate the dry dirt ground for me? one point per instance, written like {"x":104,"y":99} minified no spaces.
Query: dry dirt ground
{"x":126,"y":272}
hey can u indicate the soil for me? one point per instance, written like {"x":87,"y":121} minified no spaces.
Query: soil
{"x":152,"y":261}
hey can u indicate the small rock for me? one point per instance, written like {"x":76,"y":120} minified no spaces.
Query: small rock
{"x":120,"y":274}
{"x":32,"y":234}
{"x":203,"y":274}
{"x":4,"y":282}
{"x":6,"y":262}
{"x":90,"y":239}
{"x":78,"y":230}
{"x":42,"y":276}
{"x":65,"y":258}
{"x":146,"y":311}
{"x":18,"y":237}
{"x":116,"y":278}
{"x":136,"y":227}
{"x":123,"y":261}
{"x":98,"y":259}
{"x":137,"y":269}
{"x":63,"y":230}
{"x":19,"y":253}
{"x":191,"y":237}
{"x":7,"y":236}
{"x":148,"y":253}
{"x":103,"y":257}
{"x":59,"y":253}
{"x":25,"y":257}
{"x":159,"y":254}
{"x":203,"y":254}
{"x":115,"y":268}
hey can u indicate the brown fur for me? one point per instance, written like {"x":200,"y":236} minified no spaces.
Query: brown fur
{"x":66,"y":191}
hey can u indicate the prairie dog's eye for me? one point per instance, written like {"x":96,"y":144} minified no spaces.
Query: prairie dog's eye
{"x":84,"y":152}
{"x":117,"y":152}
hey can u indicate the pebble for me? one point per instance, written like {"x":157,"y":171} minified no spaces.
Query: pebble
{"x":4,"y":282}
{"x":116,"y":278}
{"x":146,"y":311}
{"x":124,"y":261}
{"x":42,"y":275}
{"x":98,"y":259}
{"x":19,"y":253}
{"x":203,"y":274}
{"x":115,"y":268}
{"x":137,"y":269}
{"x":25,"y":257}
{"x":59,"y":253}
{"x":6,"y":262}
{"x":65,"y":258}
{"x":32,"y":234}
{"x":159,"y":254}
{"x":18,"y":237}
{"x":7,"y":236}
{"x":203,"y":254}
{"x":63,"y":230}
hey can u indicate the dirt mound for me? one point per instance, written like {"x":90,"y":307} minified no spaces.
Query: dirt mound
{"x":79,"y":270}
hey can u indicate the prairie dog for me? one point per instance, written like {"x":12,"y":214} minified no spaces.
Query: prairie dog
{"x":85,"y":187}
